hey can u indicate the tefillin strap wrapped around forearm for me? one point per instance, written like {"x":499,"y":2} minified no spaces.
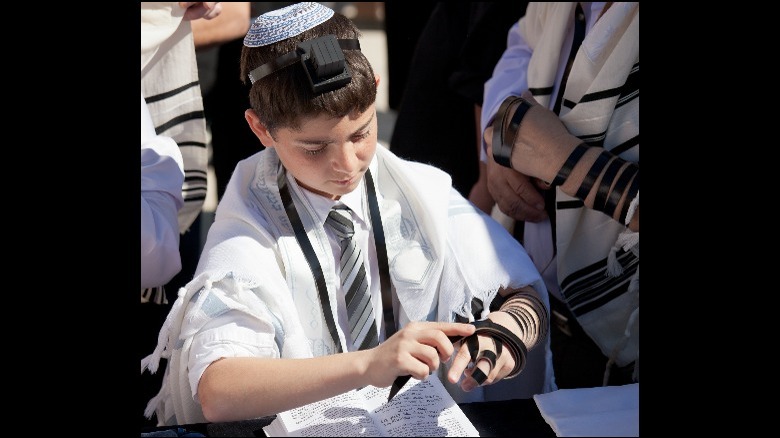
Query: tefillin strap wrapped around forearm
{"x":322,"y":59}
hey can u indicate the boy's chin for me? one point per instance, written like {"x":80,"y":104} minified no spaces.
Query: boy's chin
{"x":332,"y":191}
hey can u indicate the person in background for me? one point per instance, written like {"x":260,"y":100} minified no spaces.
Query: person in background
{"x":169,"y":82}
{"x":438,"y":119}
{"x":560,"y":126}
{"x":402,"y":32}
{"x":169,"y":85}
{"x":333,"y":264}
{"x":232,"y":22}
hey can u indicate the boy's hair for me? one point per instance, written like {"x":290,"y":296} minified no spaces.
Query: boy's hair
{"x":283,"y":97}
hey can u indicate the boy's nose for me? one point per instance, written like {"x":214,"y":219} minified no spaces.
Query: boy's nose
{"x":345,"y":158}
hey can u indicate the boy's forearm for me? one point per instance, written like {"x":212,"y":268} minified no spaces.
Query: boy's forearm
{"x":239,"y":388}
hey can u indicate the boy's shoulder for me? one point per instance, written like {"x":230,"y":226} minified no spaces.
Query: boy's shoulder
{"x":255,"y":172}
{"x":414,"y":167}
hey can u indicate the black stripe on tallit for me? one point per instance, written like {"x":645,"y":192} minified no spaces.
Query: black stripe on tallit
{"x":167,"y":94}
{"x":626,"y":145}
{"x":191,"y":143}
{"x":567,"y":205}
{"x":179,"y":120}
{"x":626,"y":92}
{"x":590,"y":287}
{"x":541,"y":91}
{"x":630,"y":89}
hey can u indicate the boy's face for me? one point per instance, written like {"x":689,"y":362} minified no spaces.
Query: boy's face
{"x":327,"y":156}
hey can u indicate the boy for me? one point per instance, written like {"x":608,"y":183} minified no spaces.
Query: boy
{"x":267,"y":323}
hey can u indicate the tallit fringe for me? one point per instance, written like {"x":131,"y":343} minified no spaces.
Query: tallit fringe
{"x":166,"y":345}
{"x":152,"y":361}
{"x":628,"y":239}
{"x":632,"y":208}
{"x":151,"y":407}
{"x":632,"y":287}
{"x":154,"y":294}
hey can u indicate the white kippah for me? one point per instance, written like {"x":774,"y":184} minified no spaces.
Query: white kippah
{"x":284,"y":23}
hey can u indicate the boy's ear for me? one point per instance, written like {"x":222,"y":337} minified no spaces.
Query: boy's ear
{"x":258,"y":128}
{"x":376,"y":79}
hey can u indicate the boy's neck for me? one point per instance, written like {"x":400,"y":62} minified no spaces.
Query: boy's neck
{"x":317,"y":192}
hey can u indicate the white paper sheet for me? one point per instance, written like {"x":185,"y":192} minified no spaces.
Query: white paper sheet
{"x":601,"y":411}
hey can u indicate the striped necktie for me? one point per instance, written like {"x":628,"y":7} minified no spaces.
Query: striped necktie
{"x":360,"y":311}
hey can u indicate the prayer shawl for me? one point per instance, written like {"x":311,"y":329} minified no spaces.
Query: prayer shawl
{"x":598,"y":258}
{"x":253,"y":263}
{"x":169,"y":82}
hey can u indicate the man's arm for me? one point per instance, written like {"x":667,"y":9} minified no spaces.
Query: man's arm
{"x":233,"y":22}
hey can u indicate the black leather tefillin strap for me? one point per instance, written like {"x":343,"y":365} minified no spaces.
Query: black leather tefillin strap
{"x":502,"y":147}
{"x":321,"y":58}
{"x":314,"y":264}
{"x":509,"y":339}
{"x":484,"y":327}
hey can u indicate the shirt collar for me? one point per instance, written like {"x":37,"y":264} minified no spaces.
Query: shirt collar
{"x":322,"y":205}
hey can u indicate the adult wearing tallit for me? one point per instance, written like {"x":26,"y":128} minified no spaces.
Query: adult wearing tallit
{"x":169,"y":82}
{"x":572,"y":141}
{"x":171,"y":90}
{"x":267,"y":323}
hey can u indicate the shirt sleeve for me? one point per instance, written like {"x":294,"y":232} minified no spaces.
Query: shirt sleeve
{"x":234,"y":333}
{"x":510,"y":78}
{"x":162,"y":176}
{"x":488,"y":260}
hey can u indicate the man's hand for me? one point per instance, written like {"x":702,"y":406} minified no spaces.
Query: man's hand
{"x":206,"y":10}
{"x":516,"y":195}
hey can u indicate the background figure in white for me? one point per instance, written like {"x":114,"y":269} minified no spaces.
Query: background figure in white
{"x":162,"y":174}
{"x":171,"y":86}
{"x":169,"y":82}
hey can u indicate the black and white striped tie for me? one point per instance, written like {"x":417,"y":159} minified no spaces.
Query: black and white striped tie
{"x":360,"y":311}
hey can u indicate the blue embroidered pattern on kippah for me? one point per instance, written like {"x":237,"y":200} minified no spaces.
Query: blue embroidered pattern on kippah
{"x":286,"y":22}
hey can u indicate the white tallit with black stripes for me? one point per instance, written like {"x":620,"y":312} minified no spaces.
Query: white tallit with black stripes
{"x":598,"y":258}
{"x":169,"y":82}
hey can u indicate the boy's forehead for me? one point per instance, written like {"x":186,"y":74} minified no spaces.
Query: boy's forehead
{"x":287,"y":22}
{"x":320,"y":125}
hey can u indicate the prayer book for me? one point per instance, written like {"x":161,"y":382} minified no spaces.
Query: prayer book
{"x":421,"y":408}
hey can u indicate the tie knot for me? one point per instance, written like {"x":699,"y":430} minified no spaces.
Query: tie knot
{"x":340,"y":222}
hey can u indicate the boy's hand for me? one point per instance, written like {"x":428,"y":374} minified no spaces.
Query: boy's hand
{"x":417,"y":349}
{"x":486,"y":373}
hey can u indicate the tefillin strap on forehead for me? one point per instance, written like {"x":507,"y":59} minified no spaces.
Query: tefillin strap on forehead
{"x":322,"y":59}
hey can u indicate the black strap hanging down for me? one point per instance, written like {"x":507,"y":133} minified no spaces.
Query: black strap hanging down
{"x":316,"y":268}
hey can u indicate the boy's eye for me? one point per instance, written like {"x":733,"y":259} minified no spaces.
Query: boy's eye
{"x":356,"y":138}
{"x":314,"y":151}
{"x":361,"y":136}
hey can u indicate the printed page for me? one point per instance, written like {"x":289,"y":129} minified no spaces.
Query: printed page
{"x":421,"y":408}
{"x":342,"y":415}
